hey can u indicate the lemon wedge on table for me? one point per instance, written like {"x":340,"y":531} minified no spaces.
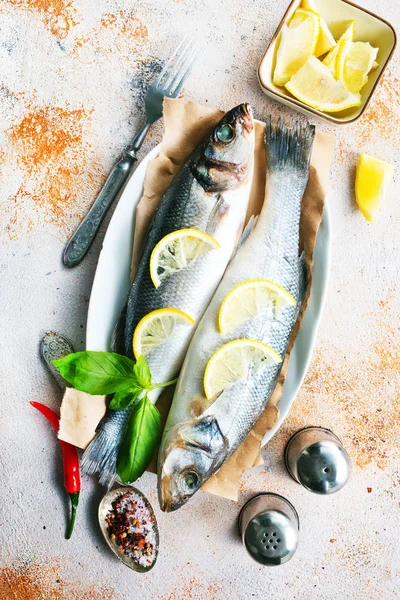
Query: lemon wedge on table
{"x":156,"y":328}
{"x":248,"y":299}
{"x":178,"y":250}
{"x":354,"y":62}
{"x":373,"y":177}
{"x":325,"y":41}
{"x":315,"y":85}
{"x":297,"y":43}
{"x":234,"y":362}
{"x":330,"y":58}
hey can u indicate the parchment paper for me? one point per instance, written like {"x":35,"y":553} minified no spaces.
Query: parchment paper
{"x":186,"y":125}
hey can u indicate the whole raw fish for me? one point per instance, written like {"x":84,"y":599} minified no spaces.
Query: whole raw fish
{"x":200,"y":435}
{"x":210,"y":193}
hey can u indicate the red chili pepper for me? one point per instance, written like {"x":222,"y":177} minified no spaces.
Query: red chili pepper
{"x":72,"y":478}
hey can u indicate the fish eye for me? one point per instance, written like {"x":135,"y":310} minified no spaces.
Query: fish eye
{"x":225,"y":133}
{"x":190,"y":481}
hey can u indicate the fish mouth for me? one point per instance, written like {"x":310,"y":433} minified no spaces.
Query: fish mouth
{"x":221,"y":165}
{"x":167,"y":504}
{"x":248,"y":119}
{"x":244,"y":114}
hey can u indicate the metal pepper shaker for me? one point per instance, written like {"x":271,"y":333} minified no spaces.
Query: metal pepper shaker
{"x":269,"y":527}
{"x":315,"y":458}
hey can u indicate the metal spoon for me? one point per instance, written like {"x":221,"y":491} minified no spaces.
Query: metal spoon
{"x":105,"y":506}
{"x":53,"y":346}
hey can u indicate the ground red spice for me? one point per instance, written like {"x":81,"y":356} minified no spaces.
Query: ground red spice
{"x":43,"y":582}
{"x":60,"y":171}
{"x":58,"y":15}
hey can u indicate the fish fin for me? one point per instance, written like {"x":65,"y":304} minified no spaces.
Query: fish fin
{"x":220,"y":209}
{"x":251,"y":223}
{"x":303,"y":276}
{"x":287,"y":148}
{"x":117,"y":335}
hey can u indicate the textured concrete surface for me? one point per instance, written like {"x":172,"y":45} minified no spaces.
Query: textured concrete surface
{"x":73,"y":73}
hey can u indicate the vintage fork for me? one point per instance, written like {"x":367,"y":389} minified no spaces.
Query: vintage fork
{"x":167,"y":85}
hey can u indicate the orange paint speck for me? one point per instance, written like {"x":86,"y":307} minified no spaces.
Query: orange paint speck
{"x":44,"y":582}
{"x":58,"y":15}
{"x":121,"y":32}
{"x":356,"y":395}
{"x":57,"y":167}
{"x":382,"y":116}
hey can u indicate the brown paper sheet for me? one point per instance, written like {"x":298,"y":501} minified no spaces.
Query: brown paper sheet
{"x":186,"y":125}
{"x":79,"y":417}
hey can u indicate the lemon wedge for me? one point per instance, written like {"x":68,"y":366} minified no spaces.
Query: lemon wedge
{"x":177,"y":250}
{"x":235,"y":361}
{"x":156,"y":328}
{"x":373,"y":177}
{"x":297,"y":43}
{"x":325,"y":41}
{"x":315,"y":85}
{"x":248,"y":299}
{"x":354,"y":62}
{"x":330,"y":58}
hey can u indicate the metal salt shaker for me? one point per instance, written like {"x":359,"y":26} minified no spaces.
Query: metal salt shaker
{"x":315,"y":458}
{"x":269,"y":526}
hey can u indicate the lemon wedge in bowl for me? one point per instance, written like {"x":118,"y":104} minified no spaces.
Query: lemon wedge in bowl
{"x":354,"y":62}
{"x":178,"y":250}
{"x":156,"y":328}
{"x":235,"y":361}
{"x":315,"y":85}
{"x":325,"y":41}
{"x":330,"y":58}
{"x":248,"y":299}
{"x":373,"y":177}
{"x":297,"y":43}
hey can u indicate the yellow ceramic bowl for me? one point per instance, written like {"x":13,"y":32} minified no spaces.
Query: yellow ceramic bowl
{"x":368,"y":28}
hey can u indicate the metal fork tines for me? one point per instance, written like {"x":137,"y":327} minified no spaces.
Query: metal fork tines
{"x":174,"y":74}
{"x":167,"y":85}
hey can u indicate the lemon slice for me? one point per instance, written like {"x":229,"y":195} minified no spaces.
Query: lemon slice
{"x":156,"y":328}
{"x":373,"y":177}
{"x":248,"y":299}
{"x":296,"y":45}
{"x":314,"y":85}
{"x":325,"y":41}
{"x":354,"y":62}
{"x":235,"y":361}
{"x":177,"y":250}
{"x":331,"y":57}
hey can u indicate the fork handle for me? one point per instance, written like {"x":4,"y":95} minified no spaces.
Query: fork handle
{"x":82,"y":239}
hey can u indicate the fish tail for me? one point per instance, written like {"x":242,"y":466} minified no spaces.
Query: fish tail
{"x":101,"y":454}
{"x":288,"y":148}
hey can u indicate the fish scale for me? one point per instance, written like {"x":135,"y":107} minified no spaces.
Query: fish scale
{"x":210,"y":193}
{"x":270,"y":251}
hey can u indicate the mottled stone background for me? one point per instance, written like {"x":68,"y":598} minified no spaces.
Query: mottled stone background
{"x":73,"y":75}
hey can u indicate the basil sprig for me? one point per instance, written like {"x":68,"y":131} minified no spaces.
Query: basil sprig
{"x":103,"y":373}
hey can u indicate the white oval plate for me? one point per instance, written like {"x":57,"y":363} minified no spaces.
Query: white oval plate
{"x":111,"y":285}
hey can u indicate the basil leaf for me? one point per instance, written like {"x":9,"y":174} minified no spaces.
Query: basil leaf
{"x":142,"y":435}
{"x":97,"y":372}
{"x":123,"y":399}
{"x":142,"y":372}
{"x":120,"y":402}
